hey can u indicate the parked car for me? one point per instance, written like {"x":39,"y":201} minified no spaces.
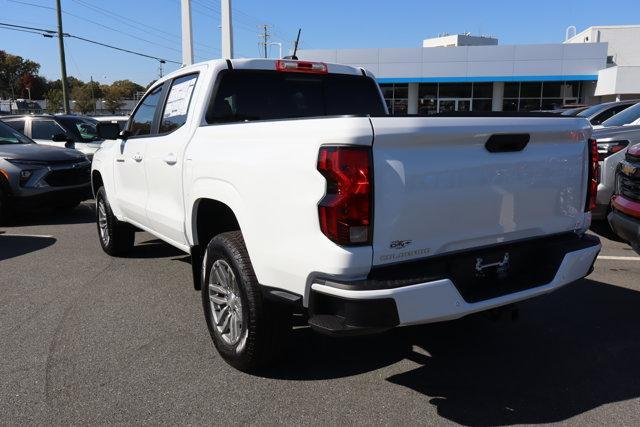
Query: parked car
{"x":625,"y":215}
{"x":120,"y":120}
{"x":627,"y":117}
{"x":33,"y":175}
{"x":612,"y":146}
{"x":290,"y":186}
{"x":68,"y":131}
{"x":572,"y":111}
{"x":596,"y":114}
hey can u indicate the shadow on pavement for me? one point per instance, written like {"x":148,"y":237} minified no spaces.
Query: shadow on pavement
{"x":82,"y":214}
{"x":603,"y":229}
{"x":155,"y":248}
{"x":571,"y":352}
{"x":13,"y":246}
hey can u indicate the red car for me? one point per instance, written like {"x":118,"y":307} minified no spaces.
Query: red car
{"x":625,"y":214}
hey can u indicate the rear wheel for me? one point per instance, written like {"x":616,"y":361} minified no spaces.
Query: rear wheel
{"x":248,"y":330}
{"x":116,"y":237}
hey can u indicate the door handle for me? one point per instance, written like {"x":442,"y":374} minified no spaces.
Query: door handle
{"x":171,"y":159}
{"x":137,"y":157}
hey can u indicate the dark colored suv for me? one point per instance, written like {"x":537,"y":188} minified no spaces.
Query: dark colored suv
{"x":625,"y":215}
{"x":33,"y":175}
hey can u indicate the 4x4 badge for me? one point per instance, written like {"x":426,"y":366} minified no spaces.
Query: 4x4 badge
{"x":399,"y":244}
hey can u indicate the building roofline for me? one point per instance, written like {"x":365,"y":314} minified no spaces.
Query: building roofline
{"x":597,"y":27}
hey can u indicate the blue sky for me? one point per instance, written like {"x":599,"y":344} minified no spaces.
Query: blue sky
{"x":153,"y":27}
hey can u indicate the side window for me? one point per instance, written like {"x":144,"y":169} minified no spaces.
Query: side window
{"x":142,"y":120}
{"x":45,"y":129}
{"x":16,"y":125}
{"x":607,"y":114}
{"x":177,"y":105}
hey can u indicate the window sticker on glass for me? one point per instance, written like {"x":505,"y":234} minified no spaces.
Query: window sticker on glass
{"x":179,"y":97}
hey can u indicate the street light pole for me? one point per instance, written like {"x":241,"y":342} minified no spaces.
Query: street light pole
{"x":227,"y":29}
{"x":187,"y":33}
{"x":63,"y":65}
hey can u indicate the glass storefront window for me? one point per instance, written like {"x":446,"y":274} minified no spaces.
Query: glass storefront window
{"x":551,"y":89}
{"x":400,"y":91}
{"x":455,"y":90}
{"x":428,"y":90}
{"x":510,"y":105}
{"x":511,"y":90}
{"x":572,"y":90}
{"x":530,"y":90}
{"x":482,"y":104}
{"x":529,"y":104}
{"x":518,"y":96}
{"x":387,"y":90}
{"x":482,"y":90}
{"x":400,"y":107}
{"x":551,"y":103}
{"x":427,"y":106}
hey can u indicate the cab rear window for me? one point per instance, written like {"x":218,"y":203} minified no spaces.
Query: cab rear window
{"x":247,"y":95}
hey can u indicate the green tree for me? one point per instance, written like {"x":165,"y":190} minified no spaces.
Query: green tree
{"x":83,"y":101}
{"x":97,"y":89}
{"x":128,"y":88}
{"x":15,"y":71}
{"x":113,"y":98}
{"x":54,"y":100}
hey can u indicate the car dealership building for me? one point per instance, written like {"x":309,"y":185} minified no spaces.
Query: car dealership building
{"x":475,"y":73}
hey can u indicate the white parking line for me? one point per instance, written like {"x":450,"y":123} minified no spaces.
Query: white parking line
{"x":620,"y":258}
{"x":26,"y":235}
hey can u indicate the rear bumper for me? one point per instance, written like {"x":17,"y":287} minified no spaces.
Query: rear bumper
{"x":338,"y":309}
{"x":627,"y":227}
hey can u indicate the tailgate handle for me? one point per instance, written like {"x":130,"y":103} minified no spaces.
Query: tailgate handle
{"x":507,"y":143}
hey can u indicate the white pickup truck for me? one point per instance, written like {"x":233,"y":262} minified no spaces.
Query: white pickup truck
{"x":290,"y":186}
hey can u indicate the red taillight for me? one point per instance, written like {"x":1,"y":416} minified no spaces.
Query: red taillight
{"x":594,"y":176}
{"x":301,"y":66}
{"x":345,"y":210}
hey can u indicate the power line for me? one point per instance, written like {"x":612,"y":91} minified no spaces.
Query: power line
{"x":123,"y":19}
{"x":122,"y":49}
{"x":44,"y":31}
{"x":119,"y":31}
{"x":26,"y":31}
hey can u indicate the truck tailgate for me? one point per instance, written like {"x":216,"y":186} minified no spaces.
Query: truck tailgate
{"x":438,"y":189}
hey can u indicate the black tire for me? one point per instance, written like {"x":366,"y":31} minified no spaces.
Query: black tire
{"x":118,"y":236}
{"x":266,"y":325}
{"x":5,"y":209}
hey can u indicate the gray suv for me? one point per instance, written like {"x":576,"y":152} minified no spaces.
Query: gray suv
{"x":33,"y":175}
{"x":69,"y":131}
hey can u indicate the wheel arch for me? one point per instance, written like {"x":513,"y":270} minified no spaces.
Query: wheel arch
{"x":212,"y":212}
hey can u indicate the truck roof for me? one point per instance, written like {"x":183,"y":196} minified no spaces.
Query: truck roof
{"x":266,"y":64}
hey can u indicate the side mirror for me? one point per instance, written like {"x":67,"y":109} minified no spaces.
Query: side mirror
{"x":59,"y":137}
{"x":108,"y":130}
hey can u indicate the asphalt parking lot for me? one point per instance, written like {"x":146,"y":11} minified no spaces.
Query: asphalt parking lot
{"x":89,"y":339}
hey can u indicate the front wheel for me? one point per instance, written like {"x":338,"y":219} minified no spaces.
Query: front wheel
{"x":116,"y":237}
{"x":248,"y":330}
{"x":5,"y":210}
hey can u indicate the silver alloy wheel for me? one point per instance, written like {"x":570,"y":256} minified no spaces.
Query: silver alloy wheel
{"x":103,"y":224}
{"x":225,"y":301}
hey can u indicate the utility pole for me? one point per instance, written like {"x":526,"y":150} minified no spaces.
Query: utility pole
{"x":161,"y":70}
{"x":63,"y":64}
{"x":265,"y":38}
{"x":187,"y":33}
{"x":227,"y":29}
{"x":93,"y":98}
